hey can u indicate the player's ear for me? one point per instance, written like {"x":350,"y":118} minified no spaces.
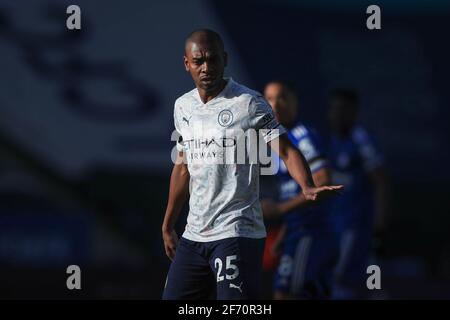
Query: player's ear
{"x":225,"y":59}
{"x":186,"y":63}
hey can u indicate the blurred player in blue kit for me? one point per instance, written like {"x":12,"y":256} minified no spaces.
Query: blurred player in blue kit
{"x":358,"y":164}
{"x":308,"y":244}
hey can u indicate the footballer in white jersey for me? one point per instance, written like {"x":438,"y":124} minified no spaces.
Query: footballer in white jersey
{"x":220,"y":253}
{"x":224,"y":200}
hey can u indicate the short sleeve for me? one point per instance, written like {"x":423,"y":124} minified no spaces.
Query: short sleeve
{"x":263,"y":119}
{"x":310,"y":146}
{"x":180,"y":146}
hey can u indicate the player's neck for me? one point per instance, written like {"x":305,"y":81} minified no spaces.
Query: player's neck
{"x":207,"y":96}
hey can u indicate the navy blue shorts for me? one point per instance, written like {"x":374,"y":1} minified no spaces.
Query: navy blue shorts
{"x":224,"y":269}
{"x":353,"y":261}
{"x":307,"y":263}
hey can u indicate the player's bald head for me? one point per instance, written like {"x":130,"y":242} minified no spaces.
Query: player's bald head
{"x":204,"y":37}
{"x":205,"y":59}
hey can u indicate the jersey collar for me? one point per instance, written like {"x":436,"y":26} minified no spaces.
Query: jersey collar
{"x":229,"y":84}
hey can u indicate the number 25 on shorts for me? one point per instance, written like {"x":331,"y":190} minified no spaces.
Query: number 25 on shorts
{"x":218,"y":264}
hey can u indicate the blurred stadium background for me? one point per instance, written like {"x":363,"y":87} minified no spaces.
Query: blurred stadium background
{"x":86,"y":121}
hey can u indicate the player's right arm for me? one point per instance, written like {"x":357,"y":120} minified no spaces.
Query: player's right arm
{"x":178,"y":193}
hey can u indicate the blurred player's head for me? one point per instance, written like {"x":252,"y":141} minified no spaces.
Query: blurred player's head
{"x":282,"y":97}
{"x":205,"y":59}
{"x":343,"y":110}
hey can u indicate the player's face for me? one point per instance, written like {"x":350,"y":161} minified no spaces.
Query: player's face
{"x":283,"y":103}
{"x":205,"y":61}
{"x":342,"y":115}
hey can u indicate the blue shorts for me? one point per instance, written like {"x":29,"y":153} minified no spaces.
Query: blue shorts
{"x":353,"y":261}
{"x":307,"y":263}
{"x":224,"y":269}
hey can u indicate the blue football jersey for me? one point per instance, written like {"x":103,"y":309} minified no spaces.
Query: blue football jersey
{"x":308,"y":142}
{"x":352,"y":158}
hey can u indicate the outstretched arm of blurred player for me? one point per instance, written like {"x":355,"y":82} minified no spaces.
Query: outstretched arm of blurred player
{"x":178,"y":193}
{"x":299,"y":169}
{"x":273,"y":209}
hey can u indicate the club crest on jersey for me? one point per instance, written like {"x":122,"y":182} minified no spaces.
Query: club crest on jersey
{"x":225,"y":118}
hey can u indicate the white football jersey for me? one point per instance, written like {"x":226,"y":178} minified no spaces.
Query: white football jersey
{"x":224,"y":190}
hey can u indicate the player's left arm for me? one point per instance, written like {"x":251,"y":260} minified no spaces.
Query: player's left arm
{"x":299,"y":169}
{"x":273,"y":209}
{"x":262,"y":118}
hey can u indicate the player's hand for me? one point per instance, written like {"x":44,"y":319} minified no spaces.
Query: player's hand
{"x":270,"y":208}
{"x":320,"y":193}
{"x":170,"y":239}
